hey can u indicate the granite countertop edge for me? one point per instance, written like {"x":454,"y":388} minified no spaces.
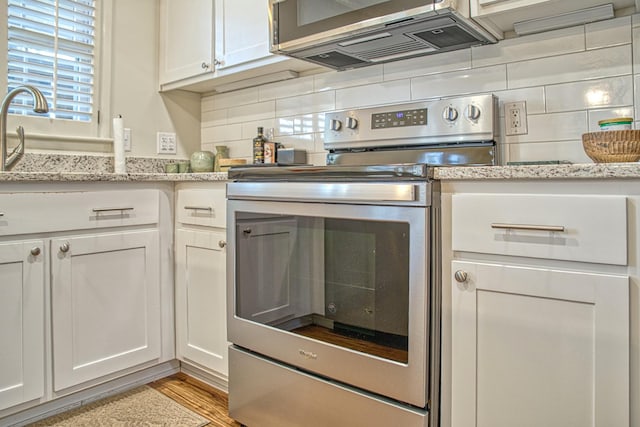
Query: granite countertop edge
{"x":110,"y":177}
{"x":568,"y":171}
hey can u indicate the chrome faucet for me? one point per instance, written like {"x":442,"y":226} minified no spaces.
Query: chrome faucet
{"x":39,"y":106}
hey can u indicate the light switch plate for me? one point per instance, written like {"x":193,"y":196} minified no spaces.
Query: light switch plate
{"x":166,"y":143}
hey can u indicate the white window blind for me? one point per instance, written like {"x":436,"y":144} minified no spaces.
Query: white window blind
{"x":51,"y":45}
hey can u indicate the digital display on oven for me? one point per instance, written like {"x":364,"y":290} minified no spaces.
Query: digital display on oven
{"x":395,"y":119}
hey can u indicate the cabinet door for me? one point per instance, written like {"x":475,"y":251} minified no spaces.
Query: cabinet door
{"x":21,"y":322}
{"x":186,"y":39}
{"x":105,"y":304}
{"x":201,"y":325}
{"x":539,"y":347}
{"x":242,"y":31}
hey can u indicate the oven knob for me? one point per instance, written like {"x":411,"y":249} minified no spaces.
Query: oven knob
{"x":473,"y":112}
{"x":450,"y":114}
{"x":335,"y":124}
{"x":352,"y":122}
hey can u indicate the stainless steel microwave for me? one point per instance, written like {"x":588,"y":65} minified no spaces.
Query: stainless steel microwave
{"x":344,"y":34}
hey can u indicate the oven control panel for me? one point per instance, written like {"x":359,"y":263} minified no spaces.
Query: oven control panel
{"x":462,"y":119}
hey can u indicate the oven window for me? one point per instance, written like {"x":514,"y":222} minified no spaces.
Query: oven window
{"x":341,"y":281}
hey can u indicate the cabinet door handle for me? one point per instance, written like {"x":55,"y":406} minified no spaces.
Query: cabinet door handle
{"x":199,"y":208}
{"x":102,"y":210}
{"x":222,"y":243}
{"x":204,"y":65}
{"x":35,"y":251}
{"x":64,"y":248}
{"x":559,"y":228}
{"x":461,"y":276}
{"x":1,"y":213}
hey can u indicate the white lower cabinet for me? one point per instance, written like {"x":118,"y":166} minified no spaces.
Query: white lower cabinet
{"x":22,"y":331}
{"x":200,"y":238}
{"x":105,"y":304}
{"x":84,"y":296}
{"x":538,"y":347}
{"x":540,"y":289}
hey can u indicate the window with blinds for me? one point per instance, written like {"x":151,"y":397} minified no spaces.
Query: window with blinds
{"x":51,"y":45}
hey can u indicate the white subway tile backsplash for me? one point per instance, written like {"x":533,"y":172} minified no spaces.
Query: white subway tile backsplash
{"x":611,"y":92}
{"x":570,"y":79}
{"x":478,"y":80}
{"x":592,"y":64}
{"x":552,"y":128}
{"x":431,"y":64}
{"x":558,"y":42}
{"x":214,"y":118}
{"x":596,"y":115}
{"x":608,"y":33}
{"x":337,"y":80}
{"x":250,"y":129}
{"x":571,"y":151}
{"x":303,"y":104}
{"x":374,"y":94}
{"x":251,"y":112}
{"x":301,"y":124}
{"x":286,"y":88}
{"x":221,"y":133}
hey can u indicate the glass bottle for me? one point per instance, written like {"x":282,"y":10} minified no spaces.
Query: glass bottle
{"x":258,"y":147}
{"x":222,"y":152}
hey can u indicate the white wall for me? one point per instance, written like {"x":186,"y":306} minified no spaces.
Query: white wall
{"x":570,"y":79}
{"x":134,"y":83}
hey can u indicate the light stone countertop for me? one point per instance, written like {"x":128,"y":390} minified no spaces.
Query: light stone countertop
{"x":571,"y":171}
{"x":110,"y":177}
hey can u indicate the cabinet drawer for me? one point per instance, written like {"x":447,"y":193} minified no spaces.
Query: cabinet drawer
{"x":202,"y":206}
{"x":573,"y":228}
{"x":23,"y":213}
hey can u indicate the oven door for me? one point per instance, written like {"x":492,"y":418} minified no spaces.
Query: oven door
{"x":321,"y":278}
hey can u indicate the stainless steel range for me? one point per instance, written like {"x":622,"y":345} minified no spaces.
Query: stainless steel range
{"x":333,"y":271}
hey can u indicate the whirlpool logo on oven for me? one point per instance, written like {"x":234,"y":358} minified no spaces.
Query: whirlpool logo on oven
{"x":307,"y":354}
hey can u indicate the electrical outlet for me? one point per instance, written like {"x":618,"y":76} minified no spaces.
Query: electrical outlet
{"x":515,"y":118}
{"x":127,"y":139}
{"x":166,"y":143}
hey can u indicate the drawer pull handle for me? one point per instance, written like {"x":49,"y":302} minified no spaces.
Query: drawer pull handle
{"x":64,"y":248}
{"x":35,"y":251}
{"x":199,"y":208}
{"x":559,"y":228}
{"x":1,"y":213}
{"x":102,"y":210}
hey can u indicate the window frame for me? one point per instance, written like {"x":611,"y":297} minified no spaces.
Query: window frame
{"x":46,"y":128}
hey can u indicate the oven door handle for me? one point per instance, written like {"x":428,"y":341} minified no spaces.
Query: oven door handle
{"x":404,"y":193}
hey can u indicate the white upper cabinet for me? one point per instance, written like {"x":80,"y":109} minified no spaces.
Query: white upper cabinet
{"x":242,"y":32}
{"x":212,"y":43}
{"x":186,"y":41}
{"x":500,"y":15}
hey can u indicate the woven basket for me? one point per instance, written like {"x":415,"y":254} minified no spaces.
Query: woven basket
{"x":612,"y":146}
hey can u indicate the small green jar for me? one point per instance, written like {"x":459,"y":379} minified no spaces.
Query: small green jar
{"x":202,"y":161}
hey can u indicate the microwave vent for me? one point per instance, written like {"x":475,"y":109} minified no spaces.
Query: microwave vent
{"x":335,"y":59}
{"x":398,"y":49}
{"x":447,"y":37}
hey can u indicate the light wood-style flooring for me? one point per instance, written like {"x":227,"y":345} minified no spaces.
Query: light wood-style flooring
{"x":201,"y":398}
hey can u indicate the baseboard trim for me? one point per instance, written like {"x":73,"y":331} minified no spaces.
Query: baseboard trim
{"x":218,"y":381}
{"x":84,"y":397}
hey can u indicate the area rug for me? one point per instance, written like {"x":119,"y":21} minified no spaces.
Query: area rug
{"x":142,"y":406}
